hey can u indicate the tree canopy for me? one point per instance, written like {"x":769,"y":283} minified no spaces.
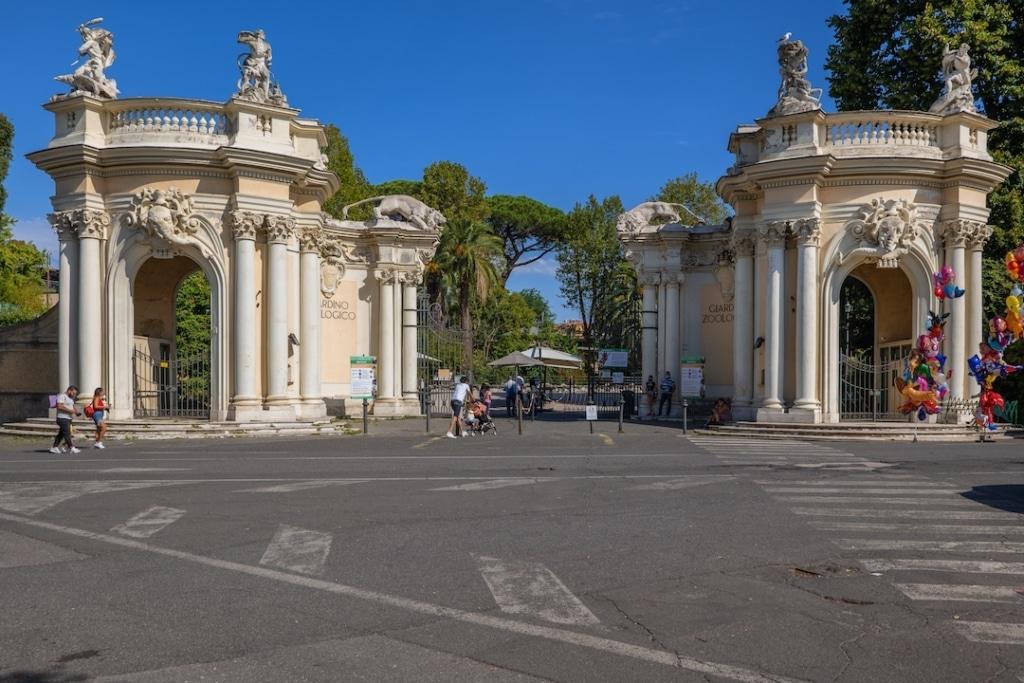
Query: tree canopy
{"x":695,"y":195}
{"x":529,"y":229}
{"x":449,"y":188}
{"x":354,"y":185}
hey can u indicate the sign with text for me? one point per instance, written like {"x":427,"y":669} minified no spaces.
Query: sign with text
{"x":613,"y":358}
{"x":691,"y":377}
{"x":363,"y":371}
{"x":717,"y":313}
{"x":591,"y":412}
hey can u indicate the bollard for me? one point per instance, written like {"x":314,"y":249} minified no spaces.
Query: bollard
{"x":519,"y":413}
{"x":366,"y":415}
{"x":426,"y":407}
{"x":686,"y":404}
{"x":622,"y":404}
{"x":533,"y":408}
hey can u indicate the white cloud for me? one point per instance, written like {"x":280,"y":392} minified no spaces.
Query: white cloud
{"x":39,"y":232}
{"x":546,"y":267}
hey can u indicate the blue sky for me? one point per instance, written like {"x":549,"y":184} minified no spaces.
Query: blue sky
{"x":555,"y":99}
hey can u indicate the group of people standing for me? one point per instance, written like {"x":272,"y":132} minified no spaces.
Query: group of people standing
{"x":67,"y":410}
{"x":667,"y":389}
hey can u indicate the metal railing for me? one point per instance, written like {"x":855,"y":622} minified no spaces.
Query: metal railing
{"x":171,"y":387}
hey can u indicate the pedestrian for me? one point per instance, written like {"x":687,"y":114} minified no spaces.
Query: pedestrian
{"x":97,"y":410}
{"x":668,"y":386}
{"x":511,"y":392}
{"x":459,"y":394}
{"x":66,"y":412}
{"x":652,"y":394}
{"x":485,"y":398}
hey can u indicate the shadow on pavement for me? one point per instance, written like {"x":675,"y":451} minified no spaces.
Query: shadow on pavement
{"x":41,"y":677}
{"x":1008,"y":497}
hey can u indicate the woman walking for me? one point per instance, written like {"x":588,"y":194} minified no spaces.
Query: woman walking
{"x":97,"y":410}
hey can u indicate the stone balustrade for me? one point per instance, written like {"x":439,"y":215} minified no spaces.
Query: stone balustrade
{"x":882,"y":128}
{"x":206,"y":121}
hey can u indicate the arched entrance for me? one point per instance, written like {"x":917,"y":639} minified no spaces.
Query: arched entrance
{"x":876,"y":327}
{"x":172,"y":337}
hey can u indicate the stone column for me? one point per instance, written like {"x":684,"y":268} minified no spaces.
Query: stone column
{"x":774,"y":236}
{"x":246,"y":398}
{"x":743,"y":327}
{"x":808,"y":235}
{"x":310,"y":242}
{"x":385,"y":361}
{"x":662,"y":327}
{"x":672,"y":355}
{"x":975,"y":308}
{"x":66,"y":290}
{"x":955,"y":233}
{"x":410,"y":281}
{"x":92,"y":229}
{"x":275,"y":293}
{"x":396,"y":348}
{"x":649,"y":334}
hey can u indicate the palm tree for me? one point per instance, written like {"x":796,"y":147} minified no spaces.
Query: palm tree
{"x":464,"y":267}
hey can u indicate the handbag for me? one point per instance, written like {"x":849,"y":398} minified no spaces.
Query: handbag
{"x":90,"y":410}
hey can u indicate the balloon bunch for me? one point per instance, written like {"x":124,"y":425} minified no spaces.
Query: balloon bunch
{"x":988,"y":365}
{"x":945,"y":284}
{"x":925,"y":381}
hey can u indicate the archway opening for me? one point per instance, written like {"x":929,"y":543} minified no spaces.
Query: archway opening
{"x":171,"y":360}
{"x":875,"y":337}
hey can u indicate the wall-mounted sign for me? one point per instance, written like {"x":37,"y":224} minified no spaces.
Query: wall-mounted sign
{"x":363,"y":373}
{"x":691,"y":377}
{"x":336,"y":310}
{"x":717,"y":313}
{"x":613,"y":358}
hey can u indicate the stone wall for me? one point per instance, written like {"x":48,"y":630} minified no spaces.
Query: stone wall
{"x":28,"y":367}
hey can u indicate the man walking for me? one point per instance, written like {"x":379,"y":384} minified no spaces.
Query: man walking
{"x":668,"y":386}
{"x":459,"y":394}
{"x":66,"y":411}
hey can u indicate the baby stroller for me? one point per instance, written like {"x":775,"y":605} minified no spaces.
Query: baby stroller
{"x":479,"y":421}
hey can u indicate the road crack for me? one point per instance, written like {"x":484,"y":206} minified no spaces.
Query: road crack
{"x":643,"y":627}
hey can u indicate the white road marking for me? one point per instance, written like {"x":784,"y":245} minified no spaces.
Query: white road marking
{"x":954,"y":546}
{"x":938,"y":529}
{"x":878,"y":491}
{"x":127,"y":470}
{"x":965,"y":566}
{"x":910,"y":514}
{"x":991,"y":632}
{"x":31,"y":498}
{"x":299,"y":550}
{"x":683,"y":483}
{"x":880,"y":501}
{"x":531,"y":589}
{"x":853,"y":482}
{"x":493,"y":484}
{"x":663,"y":657}
{"x":149,"y":522}
{"x":866,"y":465}
{"x":958,"y":592}
{"x":302,"y":486}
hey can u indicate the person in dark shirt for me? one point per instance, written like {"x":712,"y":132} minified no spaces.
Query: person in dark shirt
{"x":668,"y":386}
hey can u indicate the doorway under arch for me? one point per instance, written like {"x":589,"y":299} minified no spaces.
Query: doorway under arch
{"x":171,"y":360}
{"x":876,"y":317}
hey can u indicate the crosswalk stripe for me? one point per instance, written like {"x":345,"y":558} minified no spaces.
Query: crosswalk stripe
{"x":149,"y":522}
{"x":944,"y":529}
{"x":910,"y":514}
{"x":953,"y":546}
{"x":31,"y":498}
{"x":958,"y":592}
{"x":683,"y":482}
{"x":303,"y":486}
{"x":878,"y":491}
{"x":299,"y":550}
{"x":874,"y":500}
{"x":965,"y":566}
{"x":531,"y":589}
{"x":492,"y":484}
{"x":992,"y":632}
{"x":858,"y":483}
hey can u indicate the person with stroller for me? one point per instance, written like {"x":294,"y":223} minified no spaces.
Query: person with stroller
{"x":459,"y":395}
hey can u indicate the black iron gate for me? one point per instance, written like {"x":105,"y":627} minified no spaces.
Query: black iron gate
{"x":866,"y":391}
{"x":168,"y":386}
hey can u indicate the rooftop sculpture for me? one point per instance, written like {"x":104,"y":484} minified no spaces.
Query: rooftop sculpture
{"x":795,"y":92}
{"x":958,"y":75}
{"x":89,"y":78}
{"x":255,"y":81}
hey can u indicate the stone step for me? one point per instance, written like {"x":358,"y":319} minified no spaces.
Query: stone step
{"x":139,"y":429}
{"x":948,"y":433}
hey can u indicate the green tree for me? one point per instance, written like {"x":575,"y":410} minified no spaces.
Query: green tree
{"x":696,"y":196}
{"x":413,"y":188}
{"x":529,"y":229}
{"x":888,"y":54}
{"x":541,"y":309}
{"x":354,"y":185}
{"x":449,"y":188}
{"x":595,"y":278}
{"x":6,"y":151}
{"x":192,"y":334}
{"x":463,"y":268}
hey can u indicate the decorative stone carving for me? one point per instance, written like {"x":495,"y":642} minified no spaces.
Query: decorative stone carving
{"x":890,"y":226}
{"x":795,"y":92}
{"x":385,"y":276}
{"x":705,"y":257}
{"x":402,"y":208}
{"x":85,"y":223}
{"x":743,"y":244}
{"x":957,"y":232}
{"x":255,"y":82}
{"x":279,"y":229}
{"x":89,"y":79}
{"x":957,"y":75}
{"x":773,"y":233}
{"x":980,"y":236}
{"x":651,"y":214}
{"x":725,"y":273}
{"x":332,"y":272}
{"x":650,"y":278}
{"x":62,"y":224}
{"x":166,"y":215}
{"x":245,"y":224}
{"x":807,"y":231}
{"x":311,"y":240}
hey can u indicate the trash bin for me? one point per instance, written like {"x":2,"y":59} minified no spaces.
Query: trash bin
{"x":628,"y":404}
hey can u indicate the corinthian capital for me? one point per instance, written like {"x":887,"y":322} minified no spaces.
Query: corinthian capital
{"x":743,"y":244}
{"x":773,"y":233}
{"x":245,"y":224}
{"x":980,"y":236}
{"x":957,"y":231}
{"x":63,"y":224}
{"x":311,"y":240}
{"x":279,"y":229}
{"x":86,"y":223}
{"x":385,"y":276}
{"x":807,"y":231}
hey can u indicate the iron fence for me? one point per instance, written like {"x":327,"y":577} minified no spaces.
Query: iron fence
{"x":170,"y":386}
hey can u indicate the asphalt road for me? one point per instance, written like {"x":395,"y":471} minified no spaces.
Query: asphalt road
{"x":556,"y":555}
